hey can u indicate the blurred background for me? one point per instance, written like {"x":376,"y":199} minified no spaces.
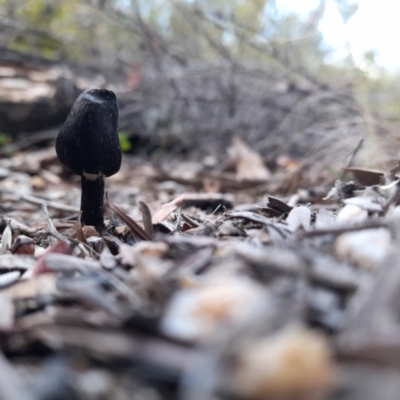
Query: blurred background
{"x":309,"y":80}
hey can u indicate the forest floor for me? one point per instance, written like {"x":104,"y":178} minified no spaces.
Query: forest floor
{"x":209,"y":282}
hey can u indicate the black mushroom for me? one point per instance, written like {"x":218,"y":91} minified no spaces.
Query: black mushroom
{"x":88,"y":144}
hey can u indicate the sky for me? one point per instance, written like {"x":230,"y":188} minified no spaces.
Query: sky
{"x":375,"y":26}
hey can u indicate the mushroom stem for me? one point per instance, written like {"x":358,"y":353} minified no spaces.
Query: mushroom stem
{"x":92,"y":200}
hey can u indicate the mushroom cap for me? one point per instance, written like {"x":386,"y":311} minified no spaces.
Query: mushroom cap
{"x":88,"y":142}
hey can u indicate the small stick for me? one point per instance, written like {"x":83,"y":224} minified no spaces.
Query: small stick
{"x":37,"y":201}
{"x":352,"y":156}
{"x":373,"y":224}
{"x":51,"y":228}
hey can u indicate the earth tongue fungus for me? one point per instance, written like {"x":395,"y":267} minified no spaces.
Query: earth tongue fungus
{"x":88,"y":143}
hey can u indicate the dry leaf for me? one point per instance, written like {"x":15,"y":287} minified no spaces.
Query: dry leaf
{"x":90,"y":232}
{"x":278,"y":205}
{"x":367,"y":177}
{"x":9,"y":278}
{"x":23,"y":245}
{"x":367,"y":203}
{"x":299,"y":217}
{"x":37,"y":182}
{"x":60,"y":247}
{"x":163,"y":211}
{"x":107,"y":260}
{"x":79,"y":231}
{"x":137,"y":231}
{"x":196,"y":313}
{"x":6,"y":238}
{"x":249,"y":164}
{"x":288,"y":163}
{"x":367,"y":248}
{"x":37,"y":285}
{"x":146,"y":216}
{"x":146,"y":257}
{"x":293,"y":364}
{"x":352,"y":213}
{"x":325,"y":219}
{"x":20,"y":262}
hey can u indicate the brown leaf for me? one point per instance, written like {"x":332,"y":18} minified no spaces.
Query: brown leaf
{"x":89,"y":231}
{"x":23,"y":245}
{"x":137,"y":231}
{"x":288,"y":163}
{"x":78,"y":230}
{"x":41,"y":267}
{"x":163,"y":211}
{"x":249,"y":164}
{"x":367,"y":177}
{"x":146,"y":215}
{"x":143,"y":254}
{"x":211,"y":186}
{"x":37,"y":285}
{"x":311,"y":377}
{"x":278,"y":205}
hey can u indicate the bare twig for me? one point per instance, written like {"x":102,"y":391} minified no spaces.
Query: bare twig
{"x":51,"y":228}
{"x":37,"y":201}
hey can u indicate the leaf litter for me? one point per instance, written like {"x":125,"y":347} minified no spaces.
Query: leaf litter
{"x":206,"y":286}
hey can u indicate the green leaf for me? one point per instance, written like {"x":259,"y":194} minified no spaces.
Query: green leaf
{"x":4,"y":138}
{"x":124,"y":141}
